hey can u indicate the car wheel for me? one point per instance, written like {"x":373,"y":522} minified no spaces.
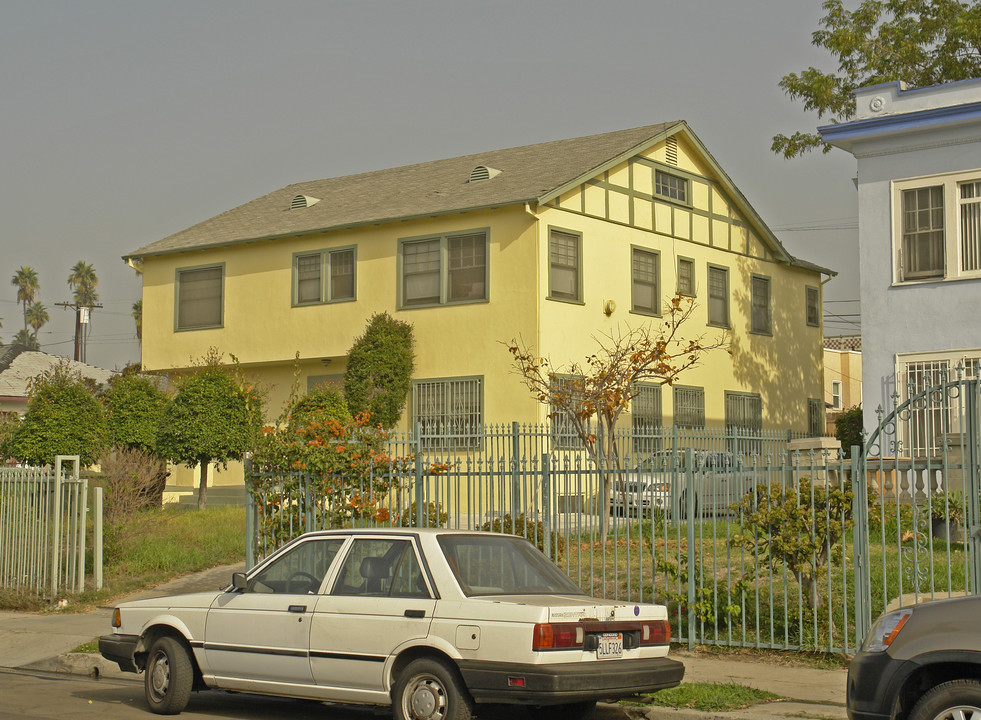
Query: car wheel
{"x":429,"y":690}
{"x":569,"y":711}
{"x":955,"y":700}
{"x":168,"y":676}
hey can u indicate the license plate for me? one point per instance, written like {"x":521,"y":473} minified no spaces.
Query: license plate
{"x":610,"y":646}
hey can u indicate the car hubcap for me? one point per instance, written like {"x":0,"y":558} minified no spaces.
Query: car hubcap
{"x":961,"y":712}
{"x":160,"y":676}
{"x":427,"y":701}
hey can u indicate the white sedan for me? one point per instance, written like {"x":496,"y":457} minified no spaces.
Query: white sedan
{"x":427,"y":621}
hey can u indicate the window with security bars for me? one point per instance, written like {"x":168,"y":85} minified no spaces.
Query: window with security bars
{"x":929,"y":416}
{"x":444,"y":270}
{"x":689,"y":406}
{"x":923,"y":232}
{"x":565,"y":397}
{"x":718,"y":292}
{"x":311,"y":270}
{"x":563,"y":266}
{"x":815,"y":417}
{"x":450,"y":412}
{"x":646,"y":277}
{"x":970,"y":202}
{"x":670,"y":186}
{"x":760,"y":299}
{"x":744,"y":420}
{"x":645,"y":419}
{"x":199,"y":298}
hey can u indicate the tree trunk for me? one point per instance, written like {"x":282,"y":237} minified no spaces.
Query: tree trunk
{"x":203,"y":489}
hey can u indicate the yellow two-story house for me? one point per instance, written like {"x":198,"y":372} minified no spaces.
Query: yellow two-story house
{"x":555,"y":244}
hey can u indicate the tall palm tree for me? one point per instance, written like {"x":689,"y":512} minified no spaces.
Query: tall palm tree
{"x":28,"y":286}
{"x":83,"y":281}
{"x":24,"y":337}
{"x":37,"y":316}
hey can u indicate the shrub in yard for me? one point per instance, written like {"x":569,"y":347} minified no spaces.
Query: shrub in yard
{"x":432,"y":516}
{"x":532,"y":530}
{"x":848,"y":429}
{"x":325,"y":402}
{"x":132,"y":479}
{"x":379,"y":370}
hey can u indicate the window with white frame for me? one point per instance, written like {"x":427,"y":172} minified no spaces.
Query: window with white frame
{"x":836,"y":394}
{"x":645,"y":272}
{"x":932,"y":414}
{"x":564,"y":267}
{"x":760,"y":300}
{"x":449,"y":411}
{"x":323,"y":276}
{"x":444,"y":270}
{"x":812,"y":303}
{"x":937,"y":223}
{"x":689,"y":406}
{"x":645,"y":418}
{"x":200,"y":302}
{"x":718,"y":291}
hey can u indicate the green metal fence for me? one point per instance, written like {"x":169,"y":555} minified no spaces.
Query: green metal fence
{"x":682,"y":524}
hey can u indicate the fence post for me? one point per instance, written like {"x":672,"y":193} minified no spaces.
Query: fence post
{"x":547,"y":504}
{"x":56,"y":529}
{"x":516,"y":508}
{"x":419,"y":497}
{"x":690,"y":536}
{"x":860,"y":541}
{"x":250,"y":538}
{"x":83,"y":513}
{"x":97,"y":536}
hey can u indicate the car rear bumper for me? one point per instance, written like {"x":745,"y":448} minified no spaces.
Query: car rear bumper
{"x":120,"y":649}
{"x":568,"y":682}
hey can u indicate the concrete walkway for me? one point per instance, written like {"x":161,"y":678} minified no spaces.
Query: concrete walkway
{"x":45,"y":641}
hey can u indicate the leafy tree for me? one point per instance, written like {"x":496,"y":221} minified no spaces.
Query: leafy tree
{"x":28,"y":286}
{"x":922,"y":42}
{"x":797,"y":526}
{"x":63,"y":418}
{"x":133,"y":407}
{"x":211,"y":419}
{"x":325,"y":402}
{"x":602,"y":387}
{"x":379,"y":370}
{"x":848,"y":429}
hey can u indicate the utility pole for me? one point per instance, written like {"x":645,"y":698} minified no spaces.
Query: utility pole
{"x":81,"y":325}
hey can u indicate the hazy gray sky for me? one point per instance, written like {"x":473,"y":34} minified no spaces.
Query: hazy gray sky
{"x":122,"y":122}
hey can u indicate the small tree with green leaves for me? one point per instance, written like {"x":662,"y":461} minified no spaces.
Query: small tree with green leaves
{"x":63,"y":418}
{"x":324,"y":402}
{"x":848,"y":429}
{"x":379,"y":370}
{"x":212,"y":418}
{"x":798,"y":526}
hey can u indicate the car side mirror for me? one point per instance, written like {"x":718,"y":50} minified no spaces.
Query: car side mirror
{"x":239,"y":582}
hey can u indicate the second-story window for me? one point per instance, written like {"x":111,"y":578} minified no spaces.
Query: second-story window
{"x":812,"y":301}
{"x":718,"y":290}
{"x":760,"y":321}
{"x":646,"y":280}
{"x":324,"y":276}
{"x":444,"y":270}
{"x":686,"y":277}
{"x":564,"y":266}
{"x":200,"y":302}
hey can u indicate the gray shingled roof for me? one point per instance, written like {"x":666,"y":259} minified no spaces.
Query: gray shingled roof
{"x":528,"y":173}
{"x":18,"y":365}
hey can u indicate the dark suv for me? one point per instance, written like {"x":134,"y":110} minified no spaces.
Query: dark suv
{"x":920,"y":663}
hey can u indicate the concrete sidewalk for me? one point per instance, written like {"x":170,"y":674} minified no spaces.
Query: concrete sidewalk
{"x":45,"y":641}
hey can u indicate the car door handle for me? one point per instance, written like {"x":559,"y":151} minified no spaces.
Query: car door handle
{"x":298,"y":608}
{"x":414,"y":613}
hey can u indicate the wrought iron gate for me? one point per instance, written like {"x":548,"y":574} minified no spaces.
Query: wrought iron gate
{"x":918,"y":525}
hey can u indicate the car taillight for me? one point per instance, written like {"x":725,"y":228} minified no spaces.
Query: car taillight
{"x":555,"y":636}
{"x":655,"y":633}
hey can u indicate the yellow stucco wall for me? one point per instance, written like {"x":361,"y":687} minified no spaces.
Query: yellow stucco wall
{"x":612,"y":213}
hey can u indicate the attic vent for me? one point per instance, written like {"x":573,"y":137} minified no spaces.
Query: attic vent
{"x":482,"y":172}
{"x":303,"y":201}
{"x":671,"y":150}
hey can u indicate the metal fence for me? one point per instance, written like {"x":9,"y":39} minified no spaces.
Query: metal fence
{"x":748,"y":539}
{"x":43,"y":528}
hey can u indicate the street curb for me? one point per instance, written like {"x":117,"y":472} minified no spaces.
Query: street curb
{"x":88,"y":664}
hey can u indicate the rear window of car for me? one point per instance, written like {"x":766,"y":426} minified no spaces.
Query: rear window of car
{"x":494,"y":565}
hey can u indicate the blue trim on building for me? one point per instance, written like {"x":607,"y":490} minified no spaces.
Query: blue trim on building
{"x":900,"y":121}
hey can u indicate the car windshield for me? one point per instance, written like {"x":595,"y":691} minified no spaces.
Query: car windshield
{"x":495,"y":565}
